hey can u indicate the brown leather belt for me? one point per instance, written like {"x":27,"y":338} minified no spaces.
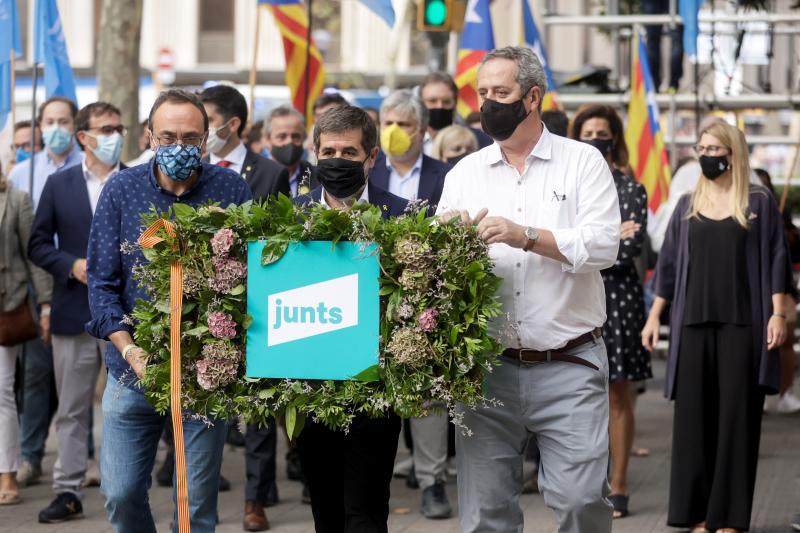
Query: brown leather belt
{"x":524,"y":355}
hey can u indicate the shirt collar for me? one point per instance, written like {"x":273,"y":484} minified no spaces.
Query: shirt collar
{"x":416,"y":168}
{"x":88,"y":174}
{"x":542,"y":150}
{"x":75,"y":154}
{"x":363,"y":198}
{"x":236,"y":156}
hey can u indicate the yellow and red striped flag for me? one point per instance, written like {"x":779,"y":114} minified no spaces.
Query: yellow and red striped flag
{"x":476,"y":40}
{"x":292,"y":21}
{"x":648,"y":154}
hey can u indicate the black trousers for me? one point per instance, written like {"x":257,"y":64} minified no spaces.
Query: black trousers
{"x":349,"y":474}
{"x":717,"y":428}
{"x":259,"y":462}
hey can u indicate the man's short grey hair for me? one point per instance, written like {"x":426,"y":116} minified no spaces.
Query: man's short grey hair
{"x":530,"y":72}
{"x":280,"y":112}
{"x":404,"y":101}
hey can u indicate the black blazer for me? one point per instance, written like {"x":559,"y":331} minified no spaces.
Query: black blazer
{"x":64,"y":212}
{"x":306,"y":168}
{"x":263,"y":175}
{"x":431,"y":179}
{"x":390,"y":205}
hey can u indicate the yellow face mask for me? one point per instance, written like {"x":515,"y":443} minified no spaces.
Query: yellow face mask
{"x":395,"y":141}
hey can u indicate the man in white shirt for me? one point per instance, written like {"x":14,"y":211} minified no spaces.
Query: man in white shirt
{"x":65,"y":210}
{"x":548,"y":209}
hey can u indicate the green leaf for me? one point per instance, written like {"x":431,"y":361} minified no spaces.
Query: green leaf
{"x":386,"y":289}
{"x":369,"y":374}
{"x":237,"y":290}
{"x":291,"y":420}
{"x":197,"y":332}
{"x":266,"y":394}
{"x":273,"y":250}
{"x":248,"y":321}
{"x":183,"y":211}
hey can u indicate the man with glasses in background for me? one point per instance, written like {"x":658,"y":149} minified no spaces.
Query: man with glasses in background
{"x":131,"y":427}
{"x":58,"y":243}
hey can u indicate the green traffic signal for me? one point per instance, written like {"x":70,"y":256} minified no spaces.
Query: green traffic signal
{"x":435,"y":13}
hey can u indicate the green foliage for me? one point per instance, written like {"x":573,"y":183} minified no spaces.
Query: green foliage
{"x":448,"y":279}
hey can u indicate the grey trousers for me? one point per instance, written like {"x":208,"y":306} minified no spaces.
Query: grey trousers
{"x":76,"y":361}
{"x":9,"y":424}
{"x":564,"y":406}
{"x":430,"y":446}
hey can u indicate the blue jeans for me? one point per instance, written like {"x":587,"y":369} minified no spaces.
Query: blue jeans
{"x":39,"y":399}
{"x":131,"y":430}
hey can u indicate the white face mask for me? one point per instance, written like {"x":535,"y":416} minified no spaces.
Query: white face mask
{"x":215,"y":143}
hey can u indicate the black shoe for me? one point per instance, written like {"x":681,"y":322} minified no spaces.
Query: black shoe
{"x":66,"y":506}
{"x":224,"y":484}
{"x":294,"y":470}
{"x":306,"y":498}
{"x":435,"y":503}
{"x":411,"y":479}
{"x":164,"y":473}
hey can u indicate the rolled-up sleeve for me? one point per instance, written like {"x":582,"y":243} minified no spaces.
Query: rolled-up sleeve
{"x":104,"y":268}
{"x":593,"y":241}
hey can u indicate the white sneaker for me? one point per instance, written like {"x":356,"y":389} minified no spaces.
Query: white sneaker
{"x":788,"y":403}
{"x":403,"y":468}
{"x":28,"y":474}
{"x":92,"y":478}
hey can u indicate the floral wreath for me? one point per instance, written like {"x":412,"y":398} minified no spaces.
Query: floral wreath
{"x":437,"y":298}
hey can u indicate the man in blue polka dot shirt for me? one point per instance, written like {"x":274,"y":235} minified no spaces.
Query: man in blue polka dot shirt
{"x":131,"y":427}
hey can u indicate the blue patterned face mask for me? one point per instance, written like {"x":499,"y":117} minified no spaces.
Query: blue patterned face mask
{"x":178,"y":161}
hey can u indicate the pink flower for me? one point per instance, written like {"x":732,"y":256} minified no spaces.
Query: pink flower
{"x":219,"y":365}
{"x":223,"y":241}
{"x":221,"y":325}
{"x":227,"y":274}
{"x":428,"y":320}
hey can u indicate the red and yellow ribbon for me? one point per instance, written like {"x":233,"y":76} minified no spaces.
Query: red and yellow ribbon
{"x":148,"y":239}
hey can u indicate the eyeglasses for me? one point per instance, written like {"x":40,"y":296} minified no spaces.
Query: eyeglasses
{"x":166,"y":140}
{"x":111,"y":130}
{"x":709,"y":150}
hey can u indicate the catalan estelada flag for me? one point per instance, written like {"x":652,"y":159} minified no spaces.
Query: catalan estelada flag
{"x":292,"y":21}
{"x":535,"y":43}
{"x":476,"y":40}
{"x":648,"y":154}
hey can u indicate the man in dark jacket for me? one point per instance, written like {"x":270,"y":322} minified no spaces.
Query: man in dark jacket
{"x":227,"y":118}
{"x":58,"y":244}
{"x":349,"y":473}
{"x":285,"y":135}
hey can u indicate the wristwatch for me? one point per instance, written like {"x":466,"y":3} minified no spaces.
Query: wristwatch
{"x":532,"y":234}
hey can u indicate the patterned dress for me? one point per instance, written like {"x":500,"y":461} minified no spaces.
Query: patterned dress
{"x":627,"y":358}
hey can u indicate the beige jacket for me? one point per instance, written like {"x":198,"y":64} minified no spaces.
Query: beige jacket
{"x":16,"y":270}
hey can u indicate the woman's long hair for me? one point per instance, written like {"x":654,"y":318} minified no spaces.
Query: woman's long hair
{"x":733,"y":140}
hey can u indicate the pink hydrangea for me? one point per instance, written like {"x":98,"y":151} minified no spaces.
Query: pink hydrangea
{"x":219,"y":365}
{"x":228,"y":273}
{"x":428,"y":320}
{"x":222,"y":242}
{"x":221,"y":325}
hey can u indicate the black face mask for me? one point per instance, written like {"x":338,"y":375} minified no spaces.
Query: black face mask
{"x":341,"y":177}
{"x":604,"y":145}
{"x":288,"y":154}
{"x":440,"y":118}
{"x":456,"y":159}
{"x":714,"y":166}
{"x":500,"y":120}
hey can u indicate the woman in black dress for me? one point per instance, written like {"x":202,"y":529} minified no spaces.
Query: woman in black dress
{"x":600,"y":126}
{"x":723,"y":266}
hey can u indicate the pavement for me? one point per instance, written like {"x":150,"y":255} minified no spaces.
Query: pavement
{"x":777,"y":489}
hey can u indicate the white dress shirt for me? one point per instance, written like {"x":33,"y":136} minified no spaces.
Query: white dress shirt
{"x":236,"y":158}
{"x":567,"y":188}
{"x":363,"y":198}
{"x":94,"y":185}
{"x":405,"y":186}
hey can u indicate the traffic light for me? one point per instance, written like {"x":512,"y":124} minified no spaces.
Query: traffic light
{"x":434,"y":15}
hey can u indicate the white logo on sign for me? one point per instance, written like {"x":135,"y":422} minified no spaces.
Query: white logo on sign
{"x":312,"y":310}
